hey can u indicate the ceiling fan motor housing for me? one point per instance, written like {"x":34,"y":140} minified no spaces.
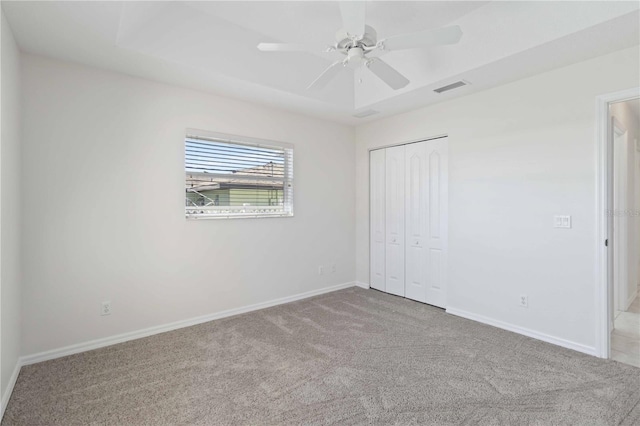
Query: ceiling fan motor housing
{"x":348,"y":41}
{"x":355,"y":57}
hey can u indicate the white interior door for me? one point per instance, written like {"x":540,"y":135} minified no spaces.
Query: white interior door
{"x":408,"y":220}
{"x":426,"y":221}
{"x":637,"y":219}
{"x":417,"y":220}
{"x":394,"y":220}
{"x":437,"y":235}
{"x":633,"y":206}
{"x":377,"y":217}
{"x":620,"y":219}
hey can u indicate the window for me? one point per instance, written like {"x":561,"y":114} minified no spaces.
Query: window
{"x":233,"y":176}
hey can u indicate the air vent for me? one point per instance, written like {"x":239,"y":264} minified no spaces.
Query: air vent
{"x":451,"y":86}
{"x":366,"y":113}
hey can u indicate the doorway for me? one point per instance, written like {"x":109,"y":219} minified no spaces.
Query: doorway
{"x":625,"y":336}
{"x":619,"y":226}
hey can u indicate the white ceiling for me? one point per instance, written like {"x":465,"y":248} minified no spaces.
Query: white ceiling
{"x":212,"y":45}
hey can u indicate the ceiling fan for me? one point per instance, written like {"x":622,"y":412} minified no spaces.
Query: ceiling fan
{"x":357,"y":40}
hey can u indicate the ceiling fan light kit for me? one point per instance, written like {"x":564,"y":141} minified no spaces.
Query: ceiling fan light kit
{"x":356,"y":40}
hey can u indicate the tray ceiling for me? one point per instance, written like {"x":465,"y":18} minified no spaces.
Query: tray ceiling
{"x":212,"y":46}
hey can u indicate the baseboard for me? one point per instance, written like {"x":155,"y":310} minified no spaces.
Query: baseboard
{"x":7,"y":393}
{"x":361,"y":284}
{"x":120,"y":338}
{"x":524,"y":331}
{"x":630,"y":301}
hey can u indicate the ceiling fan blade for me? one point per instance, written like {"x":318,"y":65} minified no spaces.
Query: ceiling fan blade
{"x":293,"y":47}
{"x":387,"y":73}
{"x":326,"y":76}
{"x":353,"y":16}
{"x":439,"y":36}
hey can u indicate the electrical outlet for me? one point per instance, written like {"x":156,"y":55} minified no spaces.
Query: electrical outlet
{"x":106,"y":308}
{"x":524,"y":301}
{"x":320,"y":270}
{"x":333,"y":268}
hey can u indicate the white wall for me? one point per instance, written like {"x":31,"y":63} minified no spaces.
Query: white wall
{"x":103,"y":210}
{"x":629,"y":119}
{"x":519,"y":154}
{"x":103,"y":185}
{"x":9,"y":209}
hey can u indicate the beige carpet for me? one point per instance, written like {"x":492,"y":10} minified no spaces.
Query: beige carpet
{"x":350,"y":357}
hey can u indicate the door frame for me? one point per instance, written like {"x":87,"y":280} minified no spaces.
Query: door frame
{"x":430,"y":138}
{"x":604,"y":205}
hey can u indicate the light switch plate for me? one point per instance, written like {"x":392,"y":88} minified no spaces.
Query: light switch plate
{"x":562,"y":222}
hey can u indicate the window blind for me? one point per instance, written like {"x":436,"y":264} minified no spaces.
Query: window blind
{"x":232,"y":176}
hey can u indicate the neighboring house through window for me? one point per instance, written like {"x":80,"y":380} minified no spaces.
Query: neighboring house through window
{"x":233,"y":176}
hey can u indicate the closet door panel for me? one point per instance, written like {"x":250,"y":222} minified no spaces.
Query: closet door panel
{"x":437,"y":237}
{"x":417,"y":217}
{"x":377,"y":219}
{"x":395,"y":217}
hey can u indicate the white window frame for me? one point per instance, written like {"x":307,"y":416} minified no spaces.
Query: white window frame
{"x":242,"y":212}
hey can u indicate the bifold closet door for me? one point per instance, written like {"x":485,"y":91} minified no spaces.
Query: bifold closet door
{"x":416,"y":226}
{"x":377,"y":217}
{"x":394,"y":220}
{"x":426,"y":221}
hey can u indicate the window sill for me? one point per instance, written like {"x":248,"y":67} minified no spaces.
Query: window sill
{"x":236,"y":216}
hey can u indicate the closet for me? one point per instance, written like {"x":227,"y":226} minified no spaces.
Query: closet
{"x":408,"y":220}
